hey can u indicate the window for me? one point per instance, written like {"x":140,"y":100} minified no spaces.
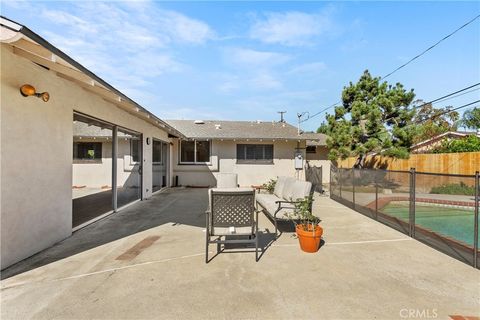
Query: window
{"x":157,"y":151}
{"x":311,"y":149}
{"x":254,"y":153}
{"x":135,"y":150}
{"x":87,"y":151}
{"x":194,"y":151}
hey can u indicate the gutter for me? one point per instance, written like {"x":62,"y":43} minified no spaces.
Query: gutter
{"x":14,"y":26}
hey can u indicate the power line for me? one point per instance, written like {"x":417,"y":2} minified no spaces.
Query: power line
{"x":405,"y":64}
{"x":431,"y":47}
{"x":437,"y":115}
{"x":459,"y":95}
{"x":447,"y":111}
{"x":443,"y":98}
{"x":453,"y":93}
{"x":424,"y":104}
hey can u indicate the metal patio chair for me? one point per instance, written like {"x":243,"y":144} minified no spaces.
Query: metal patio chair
{"x":231,"y":214}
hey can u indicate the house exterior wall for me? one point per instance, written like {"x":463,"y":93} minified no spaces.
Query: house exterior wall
{"x":223,"y":160}
{"x":36,"y":154}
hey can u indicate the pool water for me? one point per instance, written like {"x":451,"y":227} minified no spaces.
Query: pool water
{"x":448,"y":221}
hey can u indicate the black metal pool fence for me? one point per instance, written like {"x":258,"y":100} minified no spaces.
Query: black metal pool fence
{"x":440,"y":210}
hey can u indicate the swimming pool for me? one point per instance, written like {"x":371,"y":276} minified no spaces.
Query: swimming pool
{"x":453,"y":222}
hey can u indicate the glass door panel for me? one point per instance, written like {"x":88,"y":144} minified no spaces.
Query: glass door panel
{"x":159,"y":164}
{"x":129,"y":167}
{"x":91,"y":169}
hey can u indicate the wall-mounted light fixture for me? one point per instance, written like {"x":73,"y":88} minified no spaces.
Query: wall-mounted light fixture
{"x":28,"y":90}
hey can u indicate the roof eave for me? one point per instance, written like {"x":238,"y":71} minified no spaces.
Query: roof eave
{"x":14,"y":26}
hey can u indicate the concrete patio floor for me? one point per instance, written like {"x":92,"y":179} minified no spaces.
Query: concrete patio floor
{"x":365,"y":270}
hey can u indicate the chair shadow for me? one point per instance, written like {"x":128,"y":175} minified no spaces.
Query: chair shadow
{"x":265,"y":240}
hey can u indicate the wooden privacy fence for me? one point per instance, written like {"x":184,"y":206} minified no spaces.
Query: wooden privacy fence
{"x":452,"y":163}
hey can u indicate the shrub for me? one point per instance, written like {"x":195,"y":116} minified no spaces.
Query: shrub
{"x":468,"y":144}
{"x":454,"y":188}
{"x":270,"y":185}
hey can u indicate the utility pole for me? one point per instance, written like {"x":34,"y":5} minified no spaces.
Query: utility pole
{"x":299,"y":116}
{"x":281,"y":115}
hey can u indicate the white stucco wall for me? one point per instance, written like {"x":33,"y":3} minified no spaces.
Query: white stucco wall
{"x":36,"y":154}
{"x":223,"y":159}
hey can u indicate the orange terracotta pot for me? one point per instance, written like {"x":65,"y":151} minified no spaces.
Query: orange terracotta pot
{"x":309,"y":240}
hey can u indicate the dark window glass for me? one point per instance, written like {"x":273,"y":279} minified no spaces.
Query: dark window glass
{"x":268,"y":152}
{"x":135,"y":149}
{"x":203,"y":151}
{"x":194,"y":151}
{"x":157,"y":151}
{"x":311,"y":149}
{"x":87,"y":150}
{"x":255,"y":153}
{"x":187,"y":151}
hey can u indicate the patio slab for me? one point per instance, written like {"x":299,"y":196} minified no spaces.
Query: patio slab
{"x":365,"y":270}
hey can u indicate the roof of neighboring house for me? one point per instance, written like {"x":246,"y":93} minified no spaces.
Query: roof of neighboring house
{"x":221,"y":129}
{"x":315,"y":139}
{"x":445,"y":135}
{"x":29,"y":45}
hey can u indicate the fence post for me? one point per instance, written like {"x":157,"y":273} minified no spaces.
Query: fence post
{"x":411,"y":213}
{"x":340,"y":181}
{"x":477,"y":199}
{"x":330,"y":179}
{"x":376,"y":195}
{"x":353,"y":187}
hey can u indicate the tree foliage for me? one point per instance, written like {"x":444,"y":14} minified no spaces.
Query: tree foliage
{"x":468,"y":144}
{"x":323,"y":128}
{"x":373,"y":117}
{"x":471,"y":119}
{"x":433,"y":121}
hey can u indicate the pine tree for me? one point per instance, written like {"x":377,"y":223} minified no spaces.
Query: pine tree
{"x":374,"y":117}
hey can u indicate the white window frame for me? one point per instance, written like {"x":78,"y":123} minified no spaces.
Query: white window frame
{"x":195,"y":162}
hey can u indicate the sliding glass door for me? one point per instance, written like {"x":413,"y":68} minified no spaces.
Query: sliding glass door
{"x":95,"y":144}
{"x":159,"y":164}
{"x":129,"y":166}
{"x":91,"y":169}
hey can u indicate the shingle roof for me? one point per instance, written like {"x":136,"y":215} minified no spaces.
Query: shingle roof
{"x":221,"y":129}
{"x":315,"y":139}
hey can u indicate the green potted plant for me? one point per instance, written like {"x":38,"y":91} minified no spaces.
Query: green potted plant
{"x":270,"y":185}
{"x":307,"y":228}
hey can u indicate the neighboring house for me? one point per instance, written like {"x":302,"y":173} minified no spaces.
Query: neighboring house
{"x":432,"y":143}
{"x":256,"y":150}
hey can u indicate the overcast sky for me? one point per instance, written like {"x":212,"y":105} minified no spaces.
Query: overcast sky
{"x":248,"y":60}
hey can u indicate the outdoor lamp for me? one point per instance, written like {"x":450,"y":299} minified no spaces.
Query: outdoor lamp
{"x":28,"y":90}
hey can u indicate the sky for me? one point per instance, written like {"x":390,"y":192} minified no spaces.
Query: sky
{"x":248,"y":60}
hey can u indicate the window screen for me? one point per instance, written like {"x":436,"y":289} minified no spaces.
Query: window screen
{"x":255,"y":153}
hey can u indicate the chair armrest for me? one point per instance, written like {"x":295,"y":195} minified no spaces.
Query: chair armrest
{"x":285,"y":201}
